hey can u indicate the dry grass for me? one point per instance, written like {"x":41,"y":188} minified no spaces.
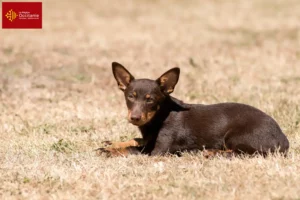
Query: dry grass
{"x":59,"y":99}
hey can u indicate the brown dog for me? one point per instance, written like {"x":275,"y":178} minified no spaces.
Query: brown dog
{"x":171,"y":126}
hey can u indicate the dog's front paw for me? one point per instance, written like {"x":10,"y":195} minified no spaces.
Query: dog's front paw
{"x":102,"y":152}
{"x":107,"y":143}
{"x":111,"y":152}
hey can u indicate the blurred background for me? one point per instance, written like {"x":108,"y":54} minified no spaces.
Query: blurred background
{"x":59,"y":100}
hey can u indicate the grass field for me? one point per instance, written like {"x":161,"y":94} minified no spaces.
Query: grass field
{"x":59,"y":99}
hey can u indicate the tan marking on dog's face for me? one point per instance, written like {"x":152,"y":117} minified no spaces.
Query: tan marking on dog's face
{"x":148,"y":96}
{"x":150,"y":115}
{"x":144,"y":118}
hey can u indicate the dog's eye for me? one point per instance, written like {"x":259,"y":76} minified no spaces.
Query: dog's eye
{"x":149,"y":100}
{"x":130,"y":97}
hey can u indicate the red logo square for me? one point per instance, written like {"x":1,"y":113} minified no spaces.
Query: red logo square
{"x":22,"y":15}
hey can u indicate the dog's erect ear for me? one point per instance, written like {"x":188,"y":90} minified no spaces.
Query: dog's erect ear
{"x":122,"y":75}
{"x":168,"y":80}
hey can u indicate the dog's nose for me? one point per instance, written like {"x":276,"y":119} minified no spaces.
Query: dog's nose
{"x":135,"y":118}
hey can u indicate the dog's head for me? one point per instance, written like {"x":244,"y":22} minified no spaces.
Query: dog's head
{"x":144,"y":96}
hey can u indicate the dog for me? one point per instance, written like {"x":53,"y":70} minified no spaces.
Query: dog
{"x":169,"y":126}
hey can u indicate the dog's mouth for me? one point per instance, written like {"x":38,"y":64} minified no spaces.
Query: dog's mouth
{"x":145,"y":118}
{"x":139,"y":123}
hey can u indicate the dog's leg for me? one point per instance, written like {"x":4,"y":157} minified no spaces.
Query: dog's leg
{"x":136,"y":142}
{"x":133,"y":146}
{"x":116,"y":152}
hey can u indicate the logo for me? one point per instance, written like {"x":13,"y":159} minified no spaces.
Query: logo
{"x":11,"y":15}
{"x":25,"y":15}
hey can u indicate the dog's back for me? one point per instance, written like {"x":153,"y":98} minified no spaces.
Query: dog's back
{"x":234,"y":126}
